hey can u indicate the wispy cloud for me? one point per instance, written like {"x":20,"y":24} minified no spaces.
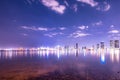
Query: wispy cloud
{"x":112,"y":26}
{"x":107,"y":7}
{"x":75,"y":7}
{"x":92,"y":3}
{"x":29,"y":2}
{"x":97,"y":23}
{"x":54,"y":5}
{"x":35,"y":28}
{"x":104,"y":7}
{"x":53,"y":34}
{"x":62,"y":28}
{"x":78,"y":34}
{"x":66,"y":3}
{"x":114,"y":31}
{"x":50,"y":34}
{"x":83,"y":27}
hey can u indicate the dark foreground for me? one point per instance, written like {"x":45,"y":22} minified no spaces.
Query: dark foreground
{"x":74,"y":75}
{"x":68,"y":75}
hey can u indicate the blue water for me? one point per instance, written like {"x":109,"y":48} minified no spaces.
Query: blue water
{"x":21,"y":66}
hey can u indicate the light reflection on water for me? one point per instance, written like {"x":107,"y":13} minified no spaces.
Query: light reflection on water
{"x":35,"y":63}
{"x":114,"y":56}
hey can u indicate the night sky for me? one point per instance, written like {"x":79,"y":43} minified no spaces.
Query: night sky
{"x":33,"y":23}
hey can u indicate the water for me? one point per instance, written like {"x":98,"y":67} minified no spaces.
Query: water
{"x":80,"y":66}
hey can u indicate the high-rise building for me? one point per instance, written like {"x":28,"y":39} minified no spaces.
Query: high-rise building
{"x":116,"y":43}
{"x":98,"y":46}
{"x":66,"y":49}
{"x":76,"y":49}
{"x":84,"y":48}
{"x":102,"y":45}
{"x":76,"y":46}
{"x":111,"y":43}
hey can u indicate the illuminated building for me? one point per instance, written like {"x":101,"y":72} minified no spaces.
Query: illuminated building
{"x":76,"y":46}
{"x":76,"y":49}
{"x":116,"y":43}
{"x":98,"y":46}
{"x":66,"y":49}
{"x":84,"y":48}
{"x":111,"y":44}
{"x":102,"y":45}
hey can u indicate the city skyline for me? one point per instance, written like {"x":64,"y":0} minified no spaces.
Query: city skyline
{"x":33,"y":23}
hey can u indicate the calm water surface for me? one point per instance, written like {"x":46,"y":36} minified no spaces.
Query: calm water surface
{"x":89,"y":66}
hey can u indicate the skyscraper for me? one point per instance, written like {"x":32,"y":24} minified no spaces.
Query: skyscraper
{"x":98,"y":46}
{"x":102,"y":45}
{"x":111,"y":43}
{"x":76,"y":46}
{"x":76,"y":49}
{"x":116,"y":43}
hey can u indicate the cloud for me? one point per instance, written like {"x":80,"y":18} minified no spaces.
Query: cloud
{"x":35,"y":28}
{"x":66,"y":3}
{"x":114,"y":31}
{"x":30,"y":1}
{"x":53,"y":34}
{"x":107,"y":7}
{"x":83,"y":27}
{"x":62,"y":28}
{"x":98,"y":23}
{"x":112,"y":26}
{"x":75,"y":7}
{"x":78,"y":34}
{"x":54,"y":5}
{"x":104,"y":7}
{"x":92,"y":3}
{"x":50,"y":34}
{"x":42,"y":29}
